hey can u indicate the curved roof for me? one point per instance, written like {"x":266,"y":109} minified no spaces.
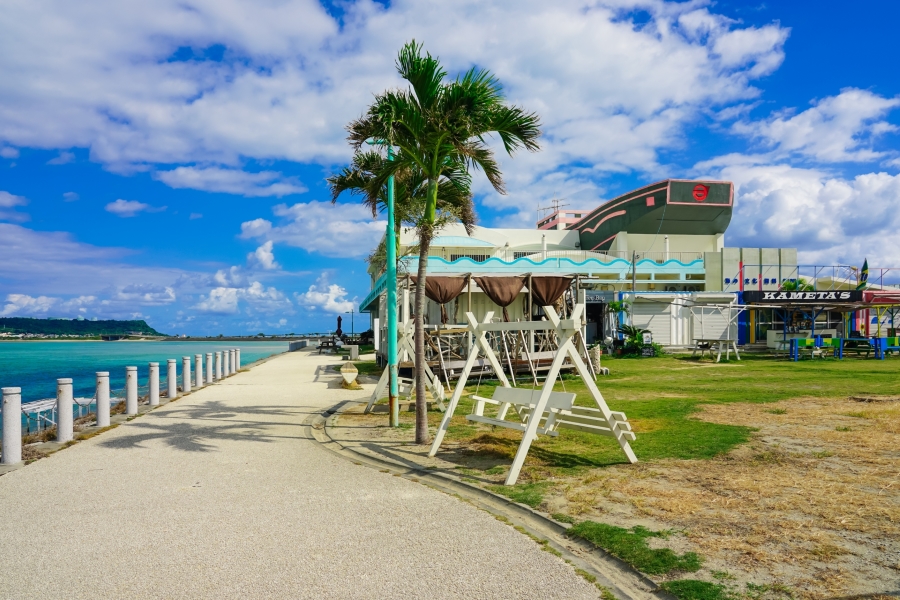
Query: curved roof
{"x":672,"y":206}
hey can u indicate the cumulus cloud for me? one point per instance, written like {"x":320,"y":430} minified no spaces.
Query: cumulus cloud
{"x":25,"y":304}
{"x":70,"y":196}
{"x":231,"y":181}
{"x":130,"y":208}
{"x":338,"y":230}
{"x":263,"y":257}
{"x":8,"y":201}
{"x":830,"y":219}
{"x":41,"y":306}
{"x":836,"y":129}
{"x":135,"y":85}
{"x":325,"y":296}
{"x":7,"y":152}
{"x":225,"y":300}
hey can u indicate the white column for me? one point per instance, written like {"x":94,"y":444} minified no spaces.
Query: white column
{"x":218,"y":366}
{"x":153,"y":384}
{"x":226,"y":364}
{"x":232,"y":354}
{"x":102,"y":399}
{"x":209,"y":368}
{"x":131,"y":387}
{"x":185,"y":374}
{"x":172,"y":377}
{"x":237,"y":359}
{"x":12,"y":425}
{"x":198,"y":368}
{"x":65,"y":421}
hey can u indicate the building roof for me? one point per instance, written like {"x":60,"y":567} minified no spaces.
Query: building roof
{"x":671,"y":206}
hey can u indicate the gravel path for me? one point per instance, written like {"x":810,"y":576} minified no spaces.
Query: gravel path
{"x":220,"y":495}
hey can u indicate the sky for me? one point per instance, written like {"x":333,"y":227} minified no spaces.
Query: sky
{"x":167,"y":160}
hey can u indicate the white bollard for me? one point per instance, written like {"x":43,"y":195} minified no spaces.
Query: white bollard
{"x":218,"y":366}
{"x":233,"y":354}
{"x":131,"y":388}
{"x":65,"y":422}
{"x":237,"y":358}
{"x":12,"y":426}
{"x":209,"y":368}
{"x":226,"y":367}
{"x":172,"y":379}
{"x":198,"y":368}
{"x":102,"y":399}
{"x":185,"y":374}
{"x":153,"y":384}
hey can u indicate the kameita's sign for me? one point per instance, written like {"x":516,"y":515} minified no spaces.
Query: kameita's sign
{"x":755,"y":297}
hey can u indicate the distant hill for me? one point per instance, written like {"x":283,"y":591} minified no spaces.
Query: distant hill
{"x":73,"y":327}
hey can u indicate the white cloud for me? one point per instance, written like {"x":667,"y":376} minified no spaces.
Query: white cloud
{"x":8,"y":200}
{"x":225,"y":300}
{"x":263,"y":257}
{"x":220,"y":300}
{"x":838,"y":128}
{"x":339,"y":230}
{"x":42,"y":263}
{"x":70,"y":196}
{"x":25,"y":304}
{"x":231,"y":181}
{"x":63,"y":158}
{"x":830,"y":219}
{"x":325,"y":296}
{"x":147,"y":294}
{"x":195,"y":216}
{"x":7,"y":152}
{"x":611,"y":93}
{"x":130,"y":208}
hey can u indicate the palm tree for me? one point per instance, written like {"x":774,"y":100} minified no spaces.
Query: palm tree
{"x":361,"y":178}
{"x":439,"y":129}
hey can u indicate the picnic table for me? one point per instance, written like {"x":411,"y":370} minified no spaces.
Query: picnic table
{"x":329,"y":345}
{"x":702,"y":345}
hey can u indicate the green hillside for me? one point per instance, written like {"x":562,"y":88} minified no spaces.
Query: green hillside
{"x":72,"y":327}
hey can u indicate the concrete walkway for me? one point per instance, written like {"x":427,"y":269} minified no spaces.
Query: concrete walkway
{"x":222,"y":495}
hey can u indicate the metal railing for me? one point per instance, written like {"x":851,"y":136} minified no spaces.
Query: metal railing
{"x":509,"y":255}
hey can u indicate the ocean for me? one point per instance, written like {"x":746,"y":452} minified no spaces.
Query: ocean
{"x":35,"y":366}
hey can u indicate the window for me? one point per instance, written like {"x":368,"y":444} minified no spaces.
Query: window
{"x":475,"y":257}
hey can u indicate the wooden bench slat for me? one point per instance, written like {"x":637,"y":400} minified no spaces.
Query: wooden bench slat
{"x":562,"y":423}
{"x":507,"y":424}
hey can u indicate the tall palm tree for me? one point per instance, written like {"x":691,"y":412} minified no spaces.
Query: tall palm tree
{"x":439,"y":129}
{"x":361,"y":178}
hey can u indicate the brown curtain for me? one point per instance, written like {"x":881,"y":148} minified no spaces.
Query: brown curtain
{"x":545,"y":291}
{"x":501,"y":290}
{"x":442,"y":290}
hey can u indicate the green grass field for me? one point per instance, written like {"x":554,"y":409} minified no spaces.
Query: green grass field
{"x":660,"y":396}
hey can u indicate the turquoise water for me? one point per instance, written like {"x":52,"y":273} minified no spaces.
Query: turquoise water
{"x":35,"y":366}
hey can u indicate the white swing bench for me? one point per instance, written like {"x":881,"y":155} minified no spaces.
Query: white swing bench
{"x":560,"y":413}
{"x":557,"y":410}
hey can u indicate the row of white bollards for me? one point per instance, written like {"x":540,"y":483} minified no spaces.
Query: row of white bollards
{"x":225,"y":363}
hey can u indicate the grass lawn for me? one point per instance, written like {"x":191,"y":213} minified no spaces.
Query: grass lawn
{"x":757,"y":479}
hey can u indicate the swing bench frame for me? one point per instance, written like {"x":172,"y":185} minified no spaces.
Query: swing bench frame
{"x":541,"y":411}
{"x":432,"y":381}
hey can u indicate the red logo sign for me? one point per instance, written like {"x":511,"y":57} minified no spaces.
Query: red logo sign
{"x":700,"y":192}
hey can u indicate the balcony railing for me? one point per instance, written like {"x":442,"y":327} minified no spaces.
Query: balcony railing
{"x":578,"y":256}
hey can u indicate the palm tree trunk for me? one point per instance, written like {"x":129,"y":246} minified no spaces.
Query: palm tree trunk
{"x":422,"y":436}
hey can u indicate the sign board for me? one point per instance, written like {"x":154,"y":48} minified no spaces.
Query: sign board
{"x":648,"y":338}
{"x":647,"y":352}
{"x":598,"y":297}
{"x":824,"y":297}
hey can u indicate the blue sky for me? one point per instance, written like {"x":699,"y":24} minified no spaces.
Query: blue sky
{"x":167,"y":161}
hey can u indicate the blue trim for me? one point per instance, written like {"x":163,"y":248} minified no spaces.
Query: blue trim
{"x":552,"y":264}
{"x":379,"y":287}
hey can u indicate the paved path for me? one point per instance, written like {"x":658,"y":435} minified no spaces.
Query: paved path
{"x":221,"y":495}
